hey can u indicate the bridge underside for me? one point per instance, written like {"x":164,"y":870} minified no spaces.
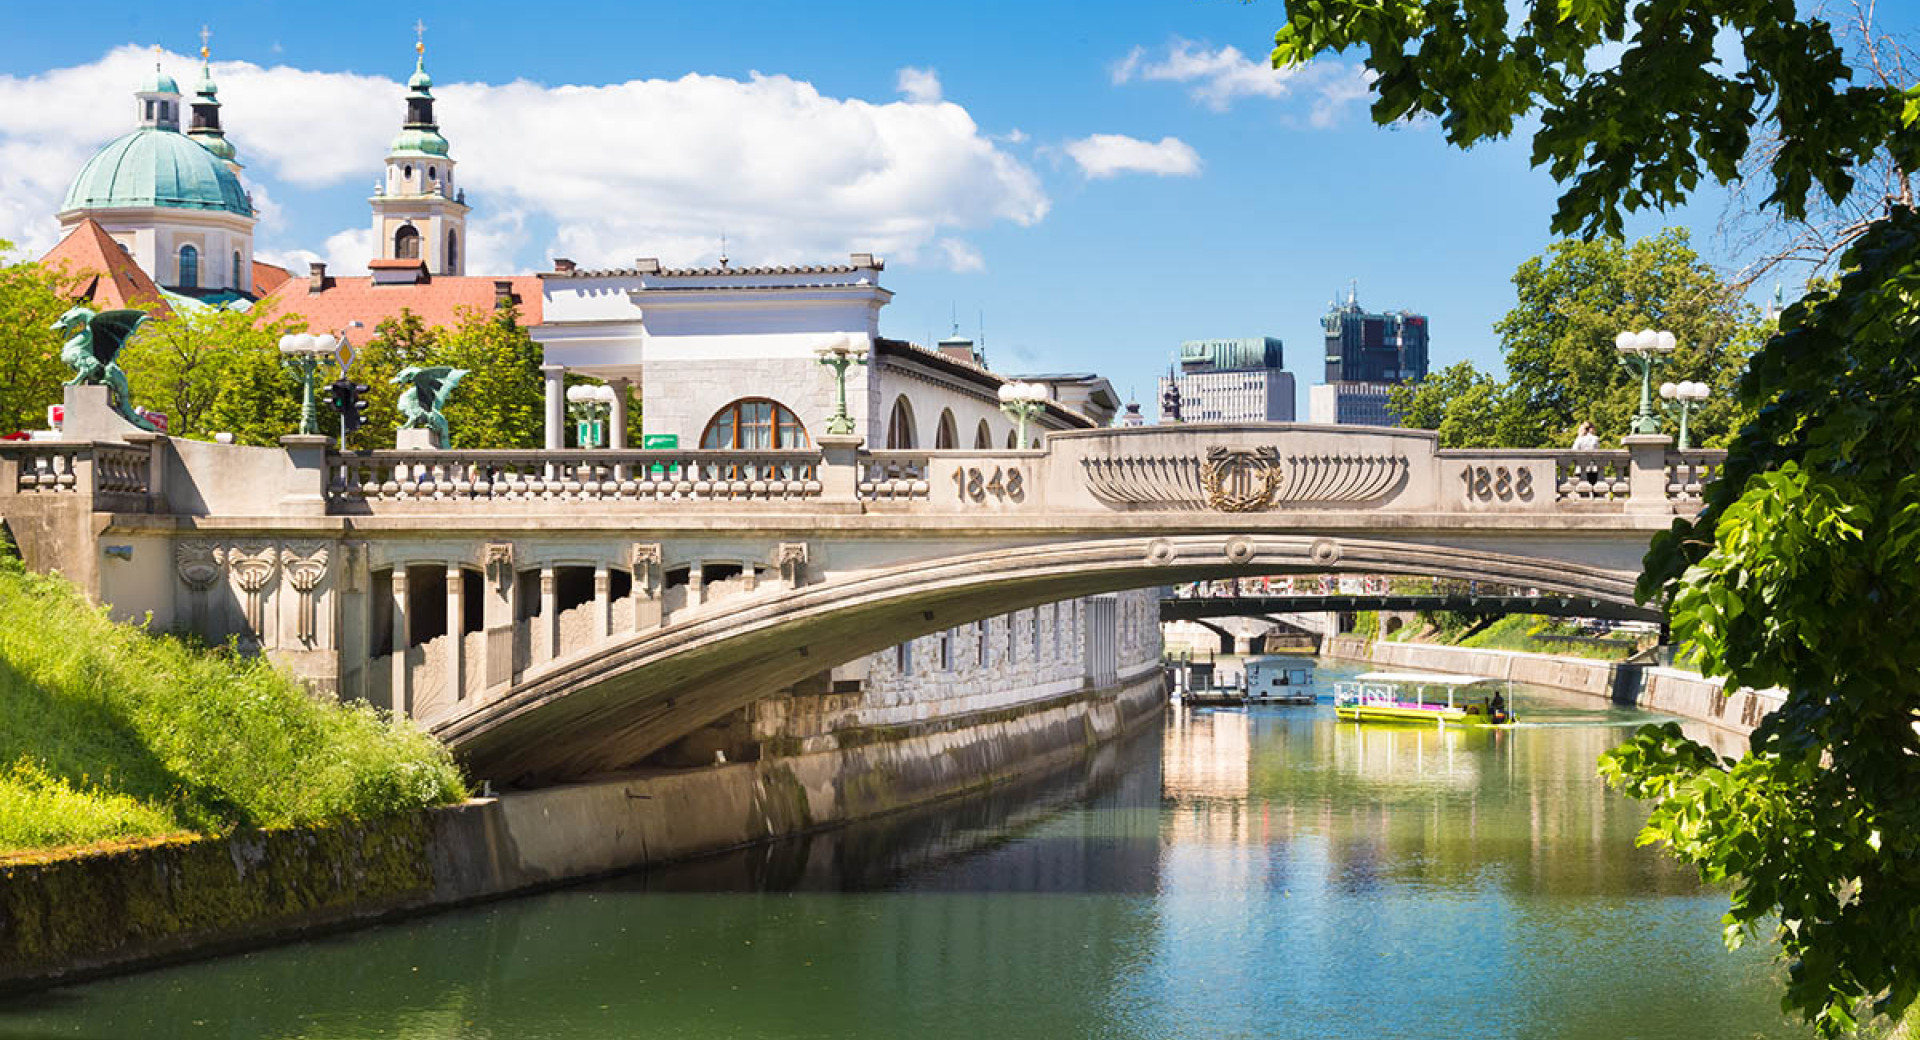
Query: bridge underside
{"x":607,"y":710}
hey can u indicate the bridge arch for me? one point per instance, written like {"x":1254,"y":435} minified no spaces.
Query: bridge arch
{"x":606,"y":711}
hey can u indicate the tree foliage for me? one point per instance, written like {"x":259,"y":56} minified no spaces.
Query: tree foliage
{"x":1557,"y":344}
{"x":215,"y":371}
{"x":30,"y":368}
{"x":1799,"y":571}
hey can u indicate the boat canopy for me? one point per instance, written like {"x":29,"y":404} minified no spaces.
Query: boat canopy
{"x":1422,"y":679}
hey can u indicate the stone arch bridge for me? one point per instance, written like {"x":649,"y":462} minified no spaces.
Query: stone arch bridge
{"x":560,"y":614}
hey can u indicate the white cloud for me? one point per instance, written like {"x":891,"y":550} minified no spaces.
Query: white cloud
{"x":641,"y":168}
{"x":1220,"y":77}
{"x":920,"y":86}
{"x":961,"y":256}
{"x":1108,"y":155}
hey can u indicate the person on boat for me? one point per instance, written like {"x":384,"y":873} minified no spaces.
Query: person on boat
{"x":1498,"y":706}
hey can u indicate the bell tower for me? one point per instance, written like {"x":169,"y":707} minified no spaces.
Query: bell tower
{"x":418,"y":212}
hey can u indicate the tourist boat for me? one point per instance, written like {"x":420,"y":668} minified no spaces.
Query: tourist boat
{"x":1422,"y":698}
{"x":1279,"y":679}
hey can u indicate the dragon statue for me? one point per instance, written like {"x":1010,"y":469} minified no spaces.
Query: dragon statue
{"x":92,"y":350}
{"x":427,"y":393}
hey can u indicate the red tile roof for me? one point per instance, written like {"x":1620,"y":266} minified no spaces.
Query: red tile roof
{"x":437,"y":300}
{"x":101,"y":274}
{"x":267,"y":278}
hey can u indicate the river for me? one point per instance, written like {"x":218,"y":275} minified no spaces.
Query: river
{"x":1263,"y":873}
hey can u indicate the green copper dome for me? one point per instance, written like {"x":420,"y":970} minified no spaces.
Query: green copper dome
{"x":155,"y":167}
{"x":424,"y":142}
{"x":159,"y":83}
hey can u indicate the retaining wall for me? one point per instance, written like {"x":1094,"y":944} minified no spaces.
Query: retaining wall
{"x":1670,"y":691}
{"x":102,"y":911}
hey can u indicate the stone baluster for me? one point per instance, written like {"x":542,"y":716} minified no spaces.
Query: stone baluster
{"x":156,"y":444}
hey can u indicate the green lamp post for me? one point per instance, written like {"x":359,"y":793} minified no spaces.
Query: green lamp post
{"x":840,"y":356}
{"x":1642,"y":351}
{"x":1022,"y":402}
{"x":306,"y":353}
{"x":1683,"y":398}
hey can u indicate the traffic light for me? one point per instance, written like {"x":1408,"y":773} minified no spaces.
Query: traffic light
{"x":347,"y":398}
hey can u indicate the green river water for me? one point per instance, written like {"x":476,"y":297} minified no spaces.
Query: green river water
{"x":1263,"y":873}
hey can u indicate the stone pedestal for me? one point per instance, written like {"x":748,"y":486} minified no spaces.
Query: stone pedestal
{"x":306,"y":490}
{"x":90,"y":416}
{"x":840,"y":469}
{"x":1647,"y":472}
{"x":417,"y":440}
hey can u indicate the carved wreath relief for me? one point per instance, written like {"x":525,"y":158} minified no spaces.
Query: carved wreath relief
{"x":1240,"y":481}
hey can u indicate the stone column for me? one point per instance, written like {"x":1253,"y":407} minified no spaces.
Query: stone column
{"x":1647,"y":472}
{"x":556,"y":377}
{"x":617,"y":422}
{"x":602,"y":603}
{"x":456,"y":633}
{"x":840,"y":468}
{"x":550,"y":609}
{"x":306,"y":490}
{"x":401,"y":689}
{"x":499,"y":614}
{"x":696,"y":584}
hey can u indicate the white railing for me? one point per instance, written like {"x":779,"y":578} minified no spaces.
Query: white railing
{"x":1591,"y":476}
{"x":655,"y":476}
{"x":69,"y":467}
{"x":893,"y":476}
{"x":1690,"y":471}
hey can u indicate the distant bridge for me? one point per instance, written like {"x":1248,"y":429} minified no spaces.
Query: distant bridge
{"x":558,"y":614}
{"x":1198,"y":607}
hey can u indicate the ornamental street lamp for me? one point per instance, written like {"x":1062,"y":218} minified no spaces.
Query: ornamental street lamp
{"x":306,"y":353}
{"x":1683,"y":397}
{"x":587,"y":403}
{"x":1641,"y":351}
{"x":839,"y":356}
{"x":1022,"y":402}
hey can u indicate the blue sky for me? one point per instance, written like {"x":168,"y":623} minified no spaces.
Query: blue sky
{"x":1265,"y":202}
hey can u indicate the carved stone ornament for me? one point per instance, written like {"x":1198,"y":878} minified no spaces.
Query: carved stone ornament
{"x":1324,"y":551}
{"x":254,"y":567}
{"x":791,"y":557}
{"x":1240,"y":481}
{"x":644,"y":560}
{"x":498,"y":563}
{"x":306,"y":567}
{"x":1160,"y":552}
{"x":199,"y":564}
{"x":1240,"y":550}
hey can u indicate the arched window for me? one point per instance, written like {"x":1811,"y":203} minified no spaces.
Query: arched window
{"x":983,"y":437}
{"x":406,"y":243}
{"x":900,"y":425}
{"x":453,"y":252}
{"x":1013,"y":438}
{"x":755,"y":422}
{"x":238,"y":285}
{"x":189,"y":267}
{"x":433,"y":173}
{"x":406,"y":172}
{"x":948,"y":435}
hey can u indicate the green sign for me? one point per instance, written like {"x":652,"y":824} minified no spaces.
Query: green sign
{"x":650,"y":441}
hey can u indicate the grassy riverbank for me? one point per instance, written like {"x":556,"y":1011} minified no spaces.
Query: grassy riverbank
{"x":108,"y":733}
{"x":1526,"y":632}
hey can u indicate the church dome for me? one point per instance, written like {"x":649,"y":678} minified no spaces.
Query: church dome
{"x":157,"y":167}
{"x":159,"y":83}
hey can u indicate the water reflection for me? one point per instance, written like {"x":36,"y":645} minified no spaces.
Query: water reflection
{"x":1263,"y":873}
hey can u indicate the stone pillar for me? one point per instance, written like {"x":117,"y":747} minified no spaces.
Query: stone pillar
{"x":1647,"y":473}
{"x":456,"y":633}
{"x":556,"y":377}
{"x":498,"y":605}
{"x":617,"y":422}
{"x":696,"y":584}
{"x":602,"y":603}
{"x":840,"y":468}
{"x":550,"y":609}
{"x":306,"y":490}
{"x":401,"y":689}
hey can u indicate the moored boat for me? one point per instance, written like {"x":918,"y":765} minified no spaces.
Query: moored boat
{"x":1422,"y":698}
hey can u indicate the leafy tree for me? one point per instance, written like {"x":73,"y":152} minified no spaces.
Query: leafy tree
{"x":1467,"y":407}
{"x":501,"y":402}
{"x":30,"y":368}
{"x":213,"y":371}
{"x":1799,"y":570}
{"x":398,"y":343}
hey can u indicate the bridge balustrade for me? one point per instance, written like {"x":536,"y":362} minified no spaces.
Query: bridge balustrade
{"x":655,"y":476}
{"x":117,"y":476}
{"x":1591,"y":476}
{"x":891,"y":476}
{"x":1690,"y":471}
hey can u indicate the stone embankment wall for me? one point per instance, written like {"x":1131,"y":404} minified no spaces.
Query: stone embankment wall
{"x":900,"y":743}
{"x":1671,"y":691}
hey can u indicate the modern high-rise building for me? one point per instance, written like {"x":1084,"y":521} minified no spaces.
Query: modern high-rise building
{"x":1231,"y":380}
{"x":1367,"y":356}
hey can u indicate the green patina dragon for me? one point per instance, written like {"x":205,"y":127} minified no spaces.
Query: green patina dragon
{"x":422,"y":401}
{"x":92,"y":350}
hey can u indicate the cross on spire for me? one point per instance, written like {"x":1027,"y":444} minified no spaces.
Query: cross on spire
{"x":205,"y":35}
{"x":419,"y":36}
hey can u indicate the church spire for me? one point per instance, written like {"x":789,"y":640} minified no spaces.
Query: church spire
{"x":205,"y":127}
{"x":418,"y":213}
